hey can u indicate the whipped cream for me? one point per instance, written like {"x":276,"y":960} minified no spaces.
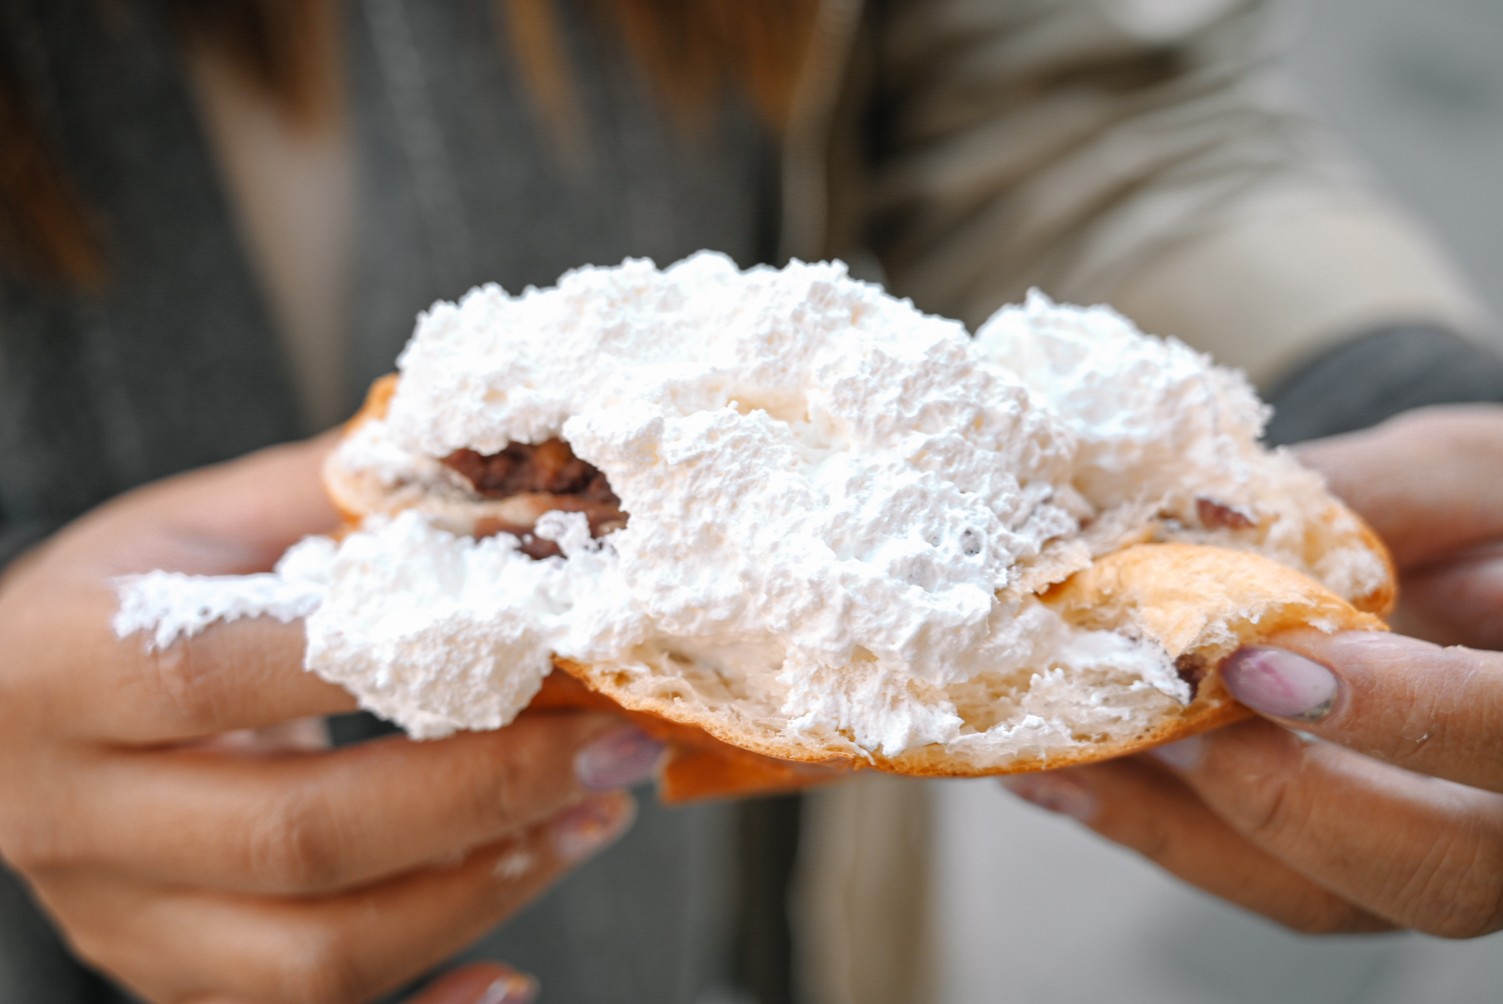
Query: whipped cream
{"x":845,"y":504}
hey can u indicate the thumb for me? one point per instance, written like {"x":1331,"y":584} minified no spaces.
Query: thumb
{"x":1432,"y":710}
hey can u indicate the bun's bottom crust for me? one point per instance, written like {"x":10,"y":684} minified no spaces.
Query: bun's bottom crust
{"x":1198,"y":603}
{"x":697,"y":766}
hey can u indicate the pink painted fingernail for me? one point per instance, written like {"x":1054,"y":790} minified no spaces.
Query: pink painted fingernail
{"x":592,"y":824}
{"x":1055,"y":792}
{"x":513,"y":989}
{"x":618,"y":759}
{"x":1274,"y":681}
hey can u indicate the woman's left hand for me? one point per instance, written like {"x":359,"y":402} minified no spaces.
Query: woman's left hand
{"x":1370,"y":795}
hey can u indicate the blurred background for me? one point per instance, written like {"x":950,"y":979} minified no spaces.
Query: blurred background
{"x":1416,"y":87}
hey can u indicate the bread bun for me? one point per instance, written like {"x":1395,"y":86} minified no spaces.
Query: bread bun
{"x":794,"y":527}
{"x":1161,"y":558}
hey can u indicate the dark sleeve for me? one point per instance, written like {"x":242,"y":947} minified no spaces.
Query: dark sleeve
{"x":1379,"y":374}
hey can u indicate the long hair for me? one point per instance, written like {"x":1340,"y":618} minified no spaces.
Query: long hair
{"x":691,"y":52}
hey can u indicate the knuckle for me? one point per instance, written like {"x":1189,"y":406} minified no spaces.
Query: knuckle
{"x":1467,"y":918}
{"x":1264,"y":806}
{"x":1149,"y":835}
{"x":176,"y":677}
{"x":1421,"y":728}
{"x":475,"y":796}
{"x":1459,"y":894}
{"x":1472,"y":713}
{"x":514,"y":788}
{"x":1457,"y":696}
{"x":507,"y":802}
{"x":318,"y":964}
{"x":292,"y":847}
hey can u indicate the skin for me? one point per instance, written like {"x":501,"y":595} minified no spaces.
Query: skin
{"x":1392,"y":816}
{"x":196,"y":869}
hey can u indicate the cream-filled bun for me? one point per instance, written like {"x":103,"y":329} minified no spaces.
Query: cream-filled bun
{"x":785,"y":510}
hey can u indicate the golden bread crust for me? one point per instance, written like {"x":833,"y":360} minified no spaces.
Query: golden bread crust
{"x":1196,"y":602}
{"x":348,"y":499}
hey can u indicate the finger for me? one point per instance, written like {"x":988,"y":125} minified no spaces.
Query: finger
{"x":300,"y":823}
{"x":1438,"y":711}
{"x":480,"y":983}
{"x":352,"y":947}
{"x":1420,"y":852}
{"x":1426,"y":482}
{"x":241,"y":675}
{"x":230,"y":518}
{"x":1457,"y":602}
{"x":77,"y":667}
{"x":1145,"y":809}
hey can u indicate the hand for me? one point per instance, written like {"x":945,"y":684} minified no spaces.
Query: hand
{"x":1392,"y":815}
{"x":197,"y":870}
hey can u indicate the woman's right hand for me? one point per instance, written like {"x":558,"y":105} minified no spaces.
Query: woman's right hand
{"x":1370,"y":794}
{"x":196,"y":869}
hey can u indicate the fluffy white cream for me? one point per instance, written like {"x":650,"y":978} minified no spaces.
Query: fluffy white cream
{"x":168,"y":606}
{"x":1158,"y":422}
{"x":835,"y":500}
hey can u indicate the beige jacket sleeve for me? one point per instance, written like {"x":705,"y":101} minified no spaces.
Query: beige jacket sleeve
{"x":1143,"y":153}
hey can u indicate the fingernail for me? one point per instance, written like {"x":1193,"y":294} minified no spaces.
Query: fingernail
{"x":1055,"y":792}
{"x":482,"y":984}
{"x":618,"y":759}
{"x":512,"y":865}
{"x":1277,"y":682}
{"x":592,"y":824}
{"x":1186,"y":754}
{"x":513,"y":989}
